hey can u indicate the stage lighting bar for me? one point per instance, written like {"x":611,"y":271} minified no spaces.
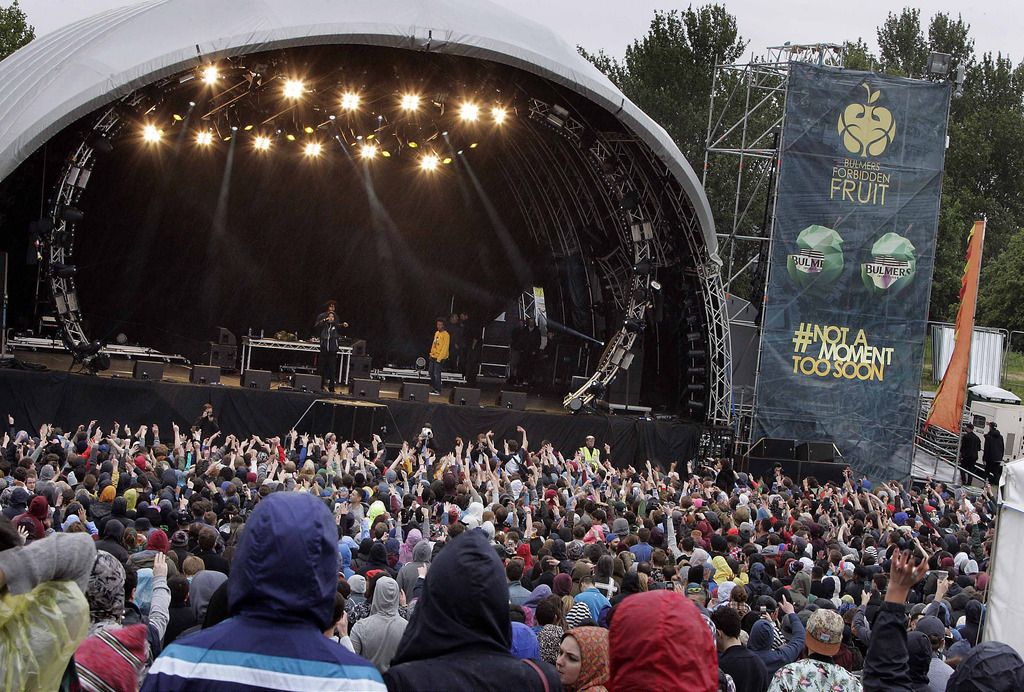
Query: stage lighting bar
{"x":410,"y":102}
{"x":261,"y":143}
{"x":499,"y":115}
{"x":469,"y":112}
{"x":151,"y":134}
{"x":204,"y":138}
{"x":211,"y":74}
{"x":313,"y":149}
{"x":350,"y":101}
{"x":293,"y":89}
{"x":368,"y":151}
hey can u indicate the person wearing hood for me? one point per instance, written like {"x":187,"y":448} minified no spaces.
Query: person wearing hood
{"x":156,"y":543}
{"x":408,"y":546}
{"x":345,"y":556}
{"x":990,"y":666}
{"x":281,"y":598}
{"x":460,"y":634}
{"x":409,"y":574}
{"x":582,"y":662}
{"x":974,"y":613}
{"x":376,"y":637}
{"x":378,"y":561}
{"x":757,"y":585}
{"x":36,"y":516}
{"x":762,"y":640}
{"x":111,"y":541}
{"x":658,"y":642}
{"x":200,"y":591}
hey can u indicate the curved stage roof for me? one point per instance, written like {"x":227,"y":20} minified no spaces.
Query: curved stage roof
{"x":66,"y":74}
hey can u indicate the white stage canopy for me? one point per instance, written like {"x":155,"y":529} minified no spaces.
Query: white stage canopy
{"x":77,"y":69}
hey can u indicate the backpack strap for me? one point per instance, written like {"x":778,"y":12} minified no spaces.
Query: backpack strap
{"x":540,"y":674}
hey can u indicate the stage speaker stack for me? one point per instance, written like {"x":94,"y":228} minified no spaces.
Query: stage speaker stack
{"x":224,"y":350}
{"x":465,"y":396}
{"x":365,"y":389}
{"x":513,"y":400}
{"x":359,"y":367}
{"x":306,"y":383}
{"x":256,"y":379}
{"x":148,"y":370}
{"x":204,"y":374}
{"x":798,"y":461}
{"x":415,"y":391}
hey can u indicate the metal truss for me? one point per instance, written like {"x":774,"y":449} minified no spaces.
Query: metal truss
{"x":745,"y":122}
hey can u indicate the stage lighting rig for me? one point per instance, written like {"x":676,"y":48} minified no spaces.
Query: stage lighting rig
{"x":293,"y":89}
{"x":211,"y":74}
{"x":151,"y":134}
{"x":469,"y":112}
{"x":410,"y":102}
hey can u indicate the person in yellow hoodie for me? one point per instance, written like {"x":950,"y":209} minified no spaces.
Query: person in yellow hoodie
{"x":438,"y":355}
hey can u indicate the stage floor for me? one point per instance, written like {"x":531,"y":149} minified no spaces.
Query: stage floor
{"x":68,"y":400}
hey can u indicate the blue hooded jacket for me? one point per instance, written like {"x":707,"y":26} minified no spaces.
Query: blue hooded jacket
{"x":281,"y":597}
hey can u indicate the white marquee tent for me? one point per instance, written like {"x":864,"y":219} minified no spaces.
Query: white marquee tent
{"x":1005,"y":613}
{"x":75,"y":70}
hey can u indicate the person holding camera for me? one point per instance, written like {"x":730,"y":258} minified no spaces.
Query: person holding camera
{"x":206,"y":424}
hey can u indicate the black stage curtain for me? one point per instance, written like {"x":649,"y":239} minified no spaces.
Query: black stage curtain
{"x":69,"y":400}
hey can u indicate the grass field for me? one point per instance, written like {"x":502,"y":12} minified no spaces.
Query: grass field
{"x":1013,"y":377}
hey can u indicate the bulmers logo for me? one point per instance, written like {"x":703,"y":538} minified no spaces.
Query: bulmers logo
{"x":892,"y":266}
{"x":865,"y":128}
{"x":819,"y":261}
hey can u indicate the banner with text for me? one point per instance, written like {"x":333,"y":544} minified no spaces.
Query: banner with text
{"x":851,"y":265}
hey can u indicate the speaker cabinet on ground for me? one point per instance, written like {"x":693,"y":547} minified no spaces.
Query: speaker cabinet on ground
{"x":512,"y":400}
{"x":366,"y":389}
{"x":774,"y":448}
{"x":306,"y":383}
{"x":148,"y":370}
{"x":256,"y":379}
{"x":415,"y":391}
{"x":465,"y":396}
{"x":204,"y":374}
{"x":817,"y":451}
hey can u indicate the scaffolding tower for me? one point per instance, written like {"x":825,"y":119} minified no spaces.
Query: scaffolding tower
{"x":741,"y":160}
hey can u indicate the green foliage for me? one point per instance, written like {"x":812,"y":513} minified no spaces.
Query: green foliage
{"x":902,"y":47}
{"x":15,"y":31}
{"x":859,"y":57}
{"x":668,"y":72}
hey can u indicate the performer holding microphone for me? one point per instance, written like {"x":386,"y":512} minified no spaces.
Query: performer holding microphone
{"x":327,"y":327}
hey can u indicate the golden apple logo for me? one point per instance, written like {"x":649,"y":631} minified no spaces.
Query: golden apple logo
{"x":867,"y":129}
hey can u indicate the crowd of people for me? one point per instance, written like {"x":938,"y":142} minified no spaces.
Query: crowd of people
{"x":141,"y":558}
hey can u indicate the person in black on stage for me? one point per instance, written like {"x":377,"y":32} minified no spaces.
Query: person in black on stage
{"x":970,"y":445}
{"x":525,"y":351}
{"x":327,"y":329}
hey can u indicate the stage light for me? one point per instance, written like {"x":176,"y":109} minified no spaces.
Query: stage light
{"x":261,"y":143}
{"x":499,"y":114}
{"x":72,"y":214}
{"x":293,"y":89}
{"x":308,"y":130}
{"x":633,"y":326}
{"x":313,"y":149}
{"x":469,"y":112}
{"x":204,"y":138}
{"x":386,"y":154}
{"x":368,"y":151}
{"x":410,"y":102}
{"x":474,"y":145}
{"x":413,"y":145}
{"x":151,"y":134}
{"x":177,"y":118}
{"x":350,"y":101}
{"x":447,"y":160}
{"x":211,"y":74}
{"x":429,"y":162}
{"x":290,"y":137}
{"x":656,"y":285}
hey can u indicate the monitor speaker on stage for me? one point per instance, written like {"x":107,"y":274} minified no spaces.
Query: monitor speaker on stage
{"x":359,"y":367}
{"x":465,"y":396}
{"x":415,"y":391}
{"x":577,"y":382}
{"x":204,"y":374}
{"x":223,"y":356}
{"x":148,"y":370}
{"x":365,"y":388}
{"x":513,"y":400}
{"x":773,"y":448}
{"x":256,"y":379}
{"x":818,"y":451}
{"x":306,"y":383}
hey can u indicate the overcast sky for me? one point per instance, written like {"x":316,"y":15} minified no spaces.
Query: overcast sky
{"x":996,"y":25}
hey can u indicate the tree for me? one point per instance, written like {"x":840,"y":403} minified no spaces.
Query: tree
{"x":15,"y":31}
{"x":902,"y":48}
{"x":1003,"y":281}
{"x":668,"y":73}
{"x":859,"y":57}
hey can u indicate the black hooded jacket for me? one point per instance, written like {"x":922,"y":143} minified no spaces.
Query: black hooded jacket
{"x":460,"y":633}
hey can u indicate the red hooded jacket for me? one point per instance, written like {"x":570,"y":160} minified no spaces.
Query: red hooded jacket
{"x":659,"y":642}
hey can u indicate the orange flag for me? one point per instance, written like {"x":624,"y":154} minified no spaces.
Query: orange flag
{"x":948,"y":407}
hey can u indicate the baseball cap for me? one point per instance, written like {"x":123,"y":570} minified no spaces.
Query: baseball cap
{"x":932,"y":626}
{"x":824,"y":632}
